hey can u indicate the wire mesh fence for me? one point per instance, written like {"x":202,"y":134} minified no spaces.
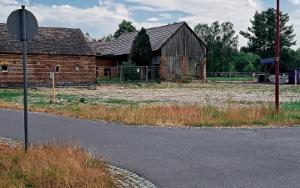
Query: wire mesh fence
{"x":127,"y":74}
{"x":246,"y":76}
{"x":232,"y":76}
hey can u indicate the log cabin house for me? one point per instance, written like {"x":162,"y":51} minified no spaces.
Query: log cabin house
{"x":63,"y":51}
{"x":177,"y":52}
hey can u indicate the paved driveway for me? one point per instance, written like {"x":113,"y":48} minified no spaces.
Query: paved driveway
{"x":183,"y":158}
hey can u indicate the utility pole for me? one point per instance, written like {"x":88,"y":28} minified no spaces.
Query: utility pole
{"x":277,"y":54}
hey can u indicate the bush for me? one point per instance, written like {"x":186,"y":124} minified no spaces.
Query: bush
{"x":249,"y":68}
{"x":129,"y":72}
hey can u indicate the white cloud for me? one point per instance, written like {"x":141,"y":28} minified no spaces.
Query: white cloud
{"x":149,"y":24}
{"x":296,"y":2}
{"x":165,"y":16}
{"x":99,"y":20}
{"x":104,"y":17}
{"x":238,"y":12}
{"x":295,"y":20}
{"x":153,"y":19}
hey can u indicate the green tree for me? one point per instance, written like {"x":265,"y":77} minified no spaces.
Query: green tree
{"x":221,"y":43}
{"x":141,"y":52}
{"x":108,"y":38}
{"x":124,"y":27}
{"x":89,"y":38}
{"x":246,"y":62}
{"x":261,"y":34}
{"x":290,"y":59}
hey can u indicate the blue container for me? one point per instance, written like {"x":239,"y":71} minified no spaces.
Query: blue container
{"x":294,"y":76}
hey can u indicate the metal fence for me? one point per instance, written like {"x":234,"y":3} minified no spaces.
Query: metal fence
{"x":134,"y":73}
{"x":245,"y":76}
{"x":127,"y":74}
{"x":232,"y":76}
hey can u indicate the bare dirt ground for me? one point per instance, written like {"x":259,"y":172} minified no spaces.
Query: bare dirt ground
{"x":215,"y":94}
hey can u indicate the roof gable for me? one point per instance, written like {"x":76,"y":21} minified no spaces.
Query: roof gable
{"x":49,"y":40}
{"x":158,"y":37}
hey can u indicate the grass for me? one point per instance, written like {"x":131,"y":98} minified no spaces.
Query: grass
{"x":10,"y":95}
{"x":101,"y":80}
{"x":152,"y":112}
{"x":51,"y":166}
{"x":176,"y":115}
{"x":291,"y":106}
{"x":120,"y":102}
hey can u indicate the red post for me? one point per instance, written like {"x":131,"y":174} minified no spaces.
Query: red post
{"x":277,"y":54}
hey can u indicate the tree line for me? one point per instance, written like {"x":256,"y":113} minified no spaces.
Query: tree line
{"x":222,"y":43}
{"x":223,"y":54}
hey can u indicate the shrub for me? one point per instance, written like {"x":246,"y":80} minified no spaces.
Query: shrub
{"x":129,"y":72}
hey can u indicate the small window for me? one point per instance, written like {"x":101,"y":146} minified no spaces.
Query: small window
{"x":57,"y":68}
{"x":4,"y":68}
{"x":77,"y":67}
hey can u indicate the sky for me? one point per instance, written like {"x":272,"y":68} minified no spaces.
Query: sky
{"x":101,"y":17}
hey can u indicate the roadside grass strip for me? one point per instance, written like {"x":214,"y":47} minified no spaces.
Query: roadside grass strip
{"x":176,"y":115}
{"x":52,"y":166}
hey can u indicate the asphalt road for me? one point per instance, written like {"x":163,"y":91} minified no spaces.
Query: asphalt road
{"x":183,"y":158}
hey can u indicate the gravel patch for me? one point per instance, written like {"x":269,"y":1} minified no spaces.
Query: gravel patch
{"x":215,"y":94}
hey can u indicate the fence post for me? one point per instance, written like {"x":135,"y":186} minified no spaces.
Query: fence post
{"x":121,"y":73}
{"x":146,"y":73}
{"x":296,"y":77}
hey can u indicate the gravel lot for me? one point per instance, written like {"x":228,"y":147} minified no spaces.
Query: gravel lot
{"x":216,"y":94}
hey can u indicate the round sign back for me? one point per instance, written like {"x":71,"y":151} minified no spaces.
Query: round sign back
{"x":14,"y":24}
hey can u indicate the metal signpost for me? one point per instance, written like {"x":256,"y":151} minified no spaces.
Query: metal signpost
{"x":22,"y":25}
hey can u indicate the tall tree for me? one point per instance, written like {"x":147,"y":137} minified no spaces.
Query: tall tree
{"x":141,"y":52}
{"x":108,"y":38}
{"x":88,"y":37}
{"x":290,"y":59}
{"x":246,"y":62}
{"x":124,"y":27}
{"x":261,"y":34}
{"x":221,"y":43}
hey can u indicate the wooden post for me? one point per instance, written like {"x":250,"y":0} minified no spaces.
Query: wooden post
{"x":121,"y":73}
{"x":53,"y":90}
{"x":52,"y":76}
{"x":147,"y":74}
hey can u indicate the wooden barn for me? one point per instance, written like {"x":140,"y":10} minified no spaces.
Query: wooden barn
{"x":176,"y":50}
{"x":63,"y":51}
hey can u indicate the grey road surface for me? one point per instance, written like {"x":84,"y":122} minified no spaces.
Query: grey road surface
{"x":177,"y":158}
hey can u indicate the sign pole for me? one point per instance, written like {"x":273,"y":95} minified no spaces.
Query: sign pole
{"x":23,"y":26}
{"x":24,"y":46}
{"x":277,"y":56}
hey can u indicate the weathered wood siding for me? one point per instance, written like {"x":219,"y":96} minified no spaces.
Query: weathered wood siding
{"x":184,"y":43}
{"x":184,"y":56}
{"x":74,"y":70}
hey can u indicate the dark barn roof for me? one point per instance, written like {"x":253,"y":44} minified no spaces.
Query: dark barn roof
{"x":99,"y":47}
{"x":49,"y":40}
{"x":122,"y":45}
